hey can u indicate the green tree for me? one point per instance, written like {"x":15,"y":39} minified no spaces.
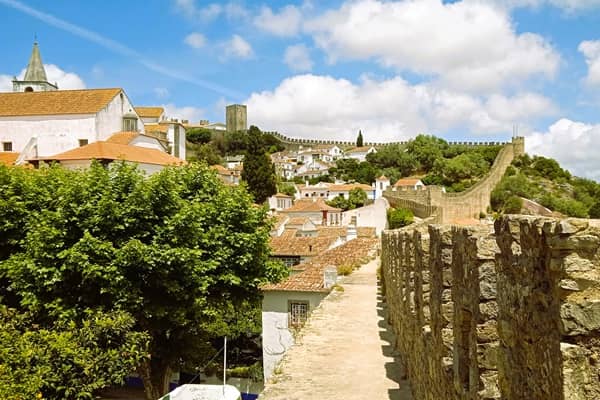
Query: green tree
{"x":179,"y":251}
{"x":287,"y":188}
{"x":399,"y":217}
{"x":198,"y":135}
{"x":427,"y":149}
{"x":359,"y":139}
{"x":68,"y":360}
{"x":207,"y":153}
{"x":357,"y":198}
{"x":259,"y":171}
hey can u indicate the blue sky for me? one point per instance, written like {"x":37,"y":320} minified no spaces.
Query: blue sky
{"x":463,"y":70}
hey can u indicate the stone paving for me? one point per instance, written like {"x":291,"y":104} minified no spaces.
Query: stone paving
{"x":345,"y":351}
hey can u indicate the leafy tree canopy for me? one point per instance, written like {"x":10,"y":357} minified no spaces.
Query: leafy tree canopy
{"x":359,"y":139}
{"x":198,"y":135}
{"x":180,"y":252}
{"x":259,"y":171}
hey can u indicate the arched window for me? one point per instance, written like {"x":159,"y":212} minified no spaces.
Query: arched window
{"x":29,"y":89}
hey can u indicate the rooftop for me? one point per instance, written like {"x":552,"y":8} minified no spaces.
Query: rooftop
{"x":115,"y":151}
{"x":85,"y":101}
{"x":407,"y":182}
{"x":8,"y":157}
{"x":316,"y":205}
{"x":150,"y":112}
{"x":310,"y":279}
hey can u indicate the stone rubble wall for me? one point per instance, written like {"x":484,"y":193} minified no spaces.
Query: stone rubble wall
{"x":504,"y":312}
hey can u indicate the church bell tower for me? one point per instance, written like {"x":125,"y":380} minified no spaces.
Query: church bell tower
{"x":35,"y":79}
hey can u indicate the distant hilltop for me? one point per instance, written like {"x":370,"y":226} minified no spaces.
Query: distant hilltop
{"x":311,"y":142}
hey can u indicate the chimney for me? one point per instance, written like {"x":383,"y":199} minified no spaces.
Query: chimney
{"x":329,"y":276}
{"x":351,"y":233}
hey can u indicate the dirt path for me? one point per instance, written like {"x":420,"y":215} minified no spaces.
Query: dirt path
{"x":345,"y":350}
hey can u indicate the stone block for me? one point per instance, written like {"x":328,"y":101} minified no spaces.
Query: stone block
{"x":580,"y":318}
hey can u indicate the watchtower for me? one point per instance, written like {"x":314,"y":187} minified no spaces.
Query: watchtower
{"x":236,"y":118}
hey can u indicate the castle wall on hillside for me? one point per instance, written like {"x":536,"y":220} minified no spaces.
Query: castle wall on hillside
{"x":508,"y":313}
{"x":468,"y":204}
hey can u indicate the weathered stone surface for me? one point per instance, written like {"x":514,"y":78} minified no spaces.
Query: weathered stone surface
{"x":490,"y":312}
{"x":580,"y":319}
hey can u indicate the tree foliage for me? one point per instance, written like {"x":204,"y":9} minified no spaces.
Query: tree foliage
{"x":359,"y":139}
{"x":399,"y":217}
{"x":68,"y":359}
{"x":542,"y":180}
{"x":356,"y":198}
{"x":180,"y":252}
{"x":198,"y":135}
{"x":259,"y":171}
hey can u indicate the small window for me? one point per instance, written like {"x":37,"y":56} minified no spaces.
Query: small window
{"x":7,"y":146}
{"x":130,"y":124}
{"x":83,"y":142}
{"x":298,"y":313}
{"x":29,"y":89}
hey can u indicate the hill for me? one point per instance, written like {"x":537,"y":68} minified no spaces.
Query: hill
{"x":543,"y":181}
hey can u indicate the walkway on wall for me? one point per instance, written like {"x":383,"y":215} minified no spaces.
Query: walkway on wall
{"x":345,"y":351}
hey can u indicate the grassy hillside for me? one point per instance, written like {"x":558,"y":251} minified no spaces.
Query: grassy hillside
{"x":543,"y":180}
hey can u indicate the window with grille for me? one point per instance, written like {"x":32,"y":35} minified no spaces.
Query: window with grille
{"x":83,"y":142}
{"x":7,"y":146}
{"x":298,"y":313}
{"x":130,"y":124}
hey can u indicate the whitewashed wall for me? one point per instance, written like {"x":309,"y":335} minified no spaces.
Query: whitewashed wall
{"x":276,"y":335}
{"x":56,"y":133}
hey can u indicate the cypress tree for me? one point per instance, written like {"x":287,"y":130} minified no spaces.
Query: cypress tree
{"x":359,"y":139}
{"x":259,"y":171}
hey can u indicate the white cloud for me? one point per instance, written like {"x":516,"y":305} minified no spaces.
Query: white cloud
{"x":195,"y":40}
{"x":573,"y":144}
{"x":161,"y":92}
{"x":285,"y":23}
{"x":468,"y":45}
{"x":393,"y":109}
{"x":188,"y":112}
{"x":570,"y":6}
{"x":297,"y":58}
{"x":237,"y":47}
{"x":591,"y":52}
{"x":6,"y":83}
{"x":65,"y":80}
{"x":190,"y":9}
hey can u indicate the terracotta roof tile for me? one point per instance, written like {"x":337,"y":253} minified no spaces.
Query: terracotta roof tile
{"x":310,"y":279}
{"x":85,"y":101}
{"x":310,"y":206}
{"x":149,"y":112}
{"x":122,"y":137}
{"x":406,"y":182}
{"x":113,"y":151}
{"x":162,"y":128}
{"x":8,"y":157}
{"x":285,"y":245}
{"x":362,"y":149}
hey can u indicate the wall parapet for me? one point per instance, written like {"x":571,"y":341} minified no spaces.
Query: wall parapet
{"x":508,"y":313}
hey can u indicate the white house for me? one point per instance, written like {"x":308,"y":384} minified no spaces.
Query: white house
{"x":360,"y":153}
{"x":381,"y":184}
{"x":150,"y":115}
{"x":37,"y":120}
{"x":329,"y":191}
{"x":41,"y":124}
{"x":317,"y":210}
{"x":171,"y":130}
{"x":280,"y":201}
{"x":148,"y":157}
{"x":408,"y":184}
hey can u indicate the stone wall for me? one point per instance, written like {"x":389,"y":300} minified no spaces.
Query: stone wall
{"x":511,"y":312}
{"x":467,"y":204}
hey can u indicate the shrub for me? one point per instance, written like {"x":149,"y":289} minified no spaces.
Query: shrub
{"x":513,"y":205}
{"x":399,"y":217}
{"x":345,"y":269}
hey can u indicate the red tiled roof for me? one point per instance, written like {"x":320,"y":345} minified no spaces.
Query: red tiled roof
{"x":310,"y":206}
{"x":406,"y":182}
{"x":8,"y":157}
{"x":285,"y":245}
{"x":58,"y":102}
{"x":310,"y":279}
{"x":114,"y":151}
{"x":149,"y":112}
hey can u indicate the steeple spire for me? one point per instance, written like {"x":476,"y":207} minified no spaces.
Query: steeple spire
{"x":35,"y":68}
{"x":35,"y":79}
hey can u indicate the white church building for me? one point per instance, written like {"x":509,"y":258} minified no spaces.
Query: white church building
{"x":39,"y":120}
